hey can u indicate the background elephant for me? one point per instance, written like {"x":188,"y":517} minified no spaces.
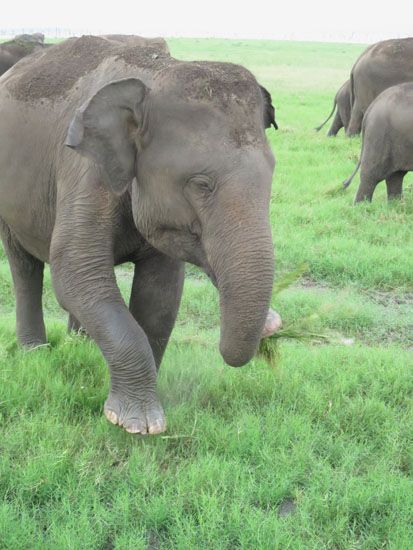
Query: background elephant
{"x":157,"y":43}
{"x":387,"y":151}
{"x":20,"y":46}
{"x":343,"y":113}
{"x":382,"y":65}
{"x":166,"y":161}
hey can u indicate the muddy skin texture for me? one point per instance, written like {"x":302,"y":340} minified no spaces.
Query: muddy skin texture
{"x":130,"y":155}
{"x":381,"y":66}
{"x":21,"y":46}
{"x":387,"y":143}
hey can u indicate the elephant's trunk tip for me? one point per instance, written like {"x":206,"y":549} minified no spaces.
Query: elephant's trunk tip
{"x":235,"y":359}
{"x":238,"y":358}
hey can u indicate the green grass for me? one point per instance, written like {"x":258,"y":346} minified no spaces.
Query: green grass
{"x":326,"y":435}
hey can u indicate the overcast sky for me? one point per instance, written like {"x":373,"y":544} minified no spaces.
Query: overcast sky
{"x":347,"y":20}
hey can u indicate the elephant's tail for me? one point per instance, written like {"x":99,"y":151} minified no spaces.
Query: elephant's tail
{"x":347,"y":182}
{"x":328,"y":118}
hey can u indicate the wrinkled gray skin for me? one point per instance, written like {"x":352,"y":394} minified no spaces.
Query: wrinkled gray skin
{"x":387,"y":151}
{"x":21,"y":45}
{"x":343,"y":112}
{"x":381,"y":66}
{"x":165,"y":162}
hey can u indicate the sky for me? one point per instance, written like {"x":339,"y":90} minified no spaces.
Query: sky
{"x":321,"y":20}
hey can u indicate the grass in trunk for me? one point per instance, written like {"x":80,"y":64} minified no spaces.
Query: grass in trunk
{"x":302,"y":330}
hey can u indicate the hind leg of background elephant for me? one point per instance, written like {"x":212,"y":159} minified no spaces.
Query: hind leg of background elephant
{"x":336,"y":126}
{"x":356,"y":121}
{"x":366,"y":189}
{"x":155,"y":298}
{"x":394,"y":185}
{"x":27,"y":273}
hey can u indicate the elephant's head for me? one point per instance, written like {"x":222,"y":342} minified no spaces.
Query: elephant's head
{"x":193,"y":152}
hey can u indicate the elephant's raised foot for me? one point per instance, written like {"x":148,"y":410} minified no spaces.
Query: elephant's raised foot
{"x":135,"y":417}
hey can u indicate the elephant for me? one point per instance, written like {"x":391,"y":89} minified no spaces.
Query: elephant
{"x":342,"y":117}
{"x":111,"y":152}
{"x":21,"y":45}
{"x":387,"y":150}
{"x":157,"y":43}
{"x":381,"y":66}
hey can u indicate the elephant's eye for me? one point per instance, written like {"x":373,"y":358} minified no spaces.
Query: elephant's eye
{"x":202,"y":183}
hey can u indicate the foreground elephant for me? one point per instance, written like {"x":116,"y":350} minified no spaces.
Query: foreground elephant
{"x":343,"y":113}
{"x":13,"y":50}
{"x":166,"y":161}
{"x":382,"y":65}
{"x":387,"y":151}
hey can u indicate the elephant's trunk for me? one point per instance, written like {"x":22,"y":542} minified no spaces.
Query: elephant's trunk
{"x":240,"y":251}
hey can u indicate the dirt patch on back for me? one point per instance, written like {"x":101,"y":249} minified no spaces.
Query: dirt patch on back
{"x":229,"y":87}
{"x":224,"y":83}
{"x":55,"y":72}
{"x":149,"y":57}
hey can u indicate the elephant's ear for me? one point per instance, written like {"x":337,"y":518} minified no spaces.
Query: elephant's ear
{"x":269,"y":112}
{"x":104,"y":129}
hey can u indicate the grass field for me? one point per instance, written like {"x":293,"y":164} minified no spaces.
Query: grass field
{"x":314,"y":454}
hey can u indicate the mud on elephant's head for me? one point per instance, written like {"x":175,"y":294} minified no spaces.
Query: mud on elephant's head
{"x":193,"y":151}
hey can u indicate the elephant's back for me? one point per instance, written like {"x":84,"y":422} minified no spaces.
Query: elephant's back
{"x":57,"y":73}
{"x":382,"y":65}
{"x":396,"y":50}
{"x":390,"y":60}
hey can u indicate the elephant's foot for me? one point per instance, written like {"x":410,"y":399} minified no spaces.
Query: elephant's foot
{"x":136,"y":417}
{"x":30,"y":342}
{"x":31,"y":345}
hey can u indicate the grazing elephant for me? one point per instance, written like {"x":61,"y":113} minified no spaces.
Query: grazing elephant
{"x":342,"y":118}
{"x":110,"y":152}
{"x":387,"y":151}
{"x":157,"y":43}
{"x":20,"y":46}
{"x":382,"y":65}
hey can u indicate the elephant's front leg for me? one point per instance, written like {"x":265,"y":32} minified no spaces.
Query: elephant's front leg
{"x":95,"y":300}
{"x":85,"y":284}
{"x":155,"y":298}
